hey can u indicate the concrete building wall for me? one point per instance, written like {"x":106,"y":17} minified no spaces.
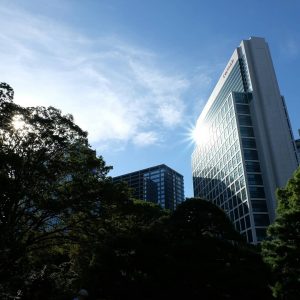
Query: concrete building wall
{"x":271,"y":124}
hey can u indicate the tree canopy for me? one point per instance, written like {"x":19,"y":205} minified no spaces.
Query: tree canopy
{"x":281,"y":250}
{"x":64,"y":225}
{"x":193,"y":252}
{"x":51,"y":182}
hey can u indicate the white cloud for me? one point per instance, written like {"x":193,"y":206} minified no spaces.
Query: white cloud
{"x":116,"y":91}
{"x":171,"y":113}
{"x":143,"y":139}
{"x":166,"y":92}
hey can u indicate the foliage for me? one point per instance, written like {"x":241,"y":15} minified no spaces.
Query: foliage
{"x":282,"y":248}
{"x":64,"y":225}
{"x":194,"y":252}
{"x":110,"y":262}
{"x":6,"y":93}
{"x":51,"y":183}
{"x":212,"y":258}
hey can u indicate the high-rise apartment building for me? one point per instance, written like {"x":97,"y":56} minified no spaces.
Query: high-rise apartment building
{"x":245,"y":146}
{"x":159,"y":184}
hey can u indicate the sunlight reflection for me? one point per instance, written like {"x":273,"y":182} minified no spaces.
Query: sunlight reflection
{"x":200,"y":134}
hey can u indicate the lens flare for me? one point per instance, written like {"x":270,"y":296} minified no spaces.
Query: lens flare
{"x":200,"y":134}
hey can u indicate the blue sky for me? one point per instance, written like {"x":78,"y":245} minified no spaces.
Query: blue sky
{"x":136,"y":74}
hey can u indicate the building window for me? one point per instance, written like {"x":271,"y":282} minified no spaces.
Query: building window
{"x":252,"y":166}
{"x":247,"y":220}
{"x":261,"y":220}
{"x":246,"y":131}
{"x":250,"y":154}
{"x":241,"y":98}
{"x":259,"y":206}
{"x":248,"y":143}
{"x":242,"y":109}
{"x":255,"y":179}
{"x":249,"y":235}
{"x":257,"y":192}
{"x":245,"y":120}
{"x":242,"y":224}
{"x":261,"y":233}
{"x":237,"y":226}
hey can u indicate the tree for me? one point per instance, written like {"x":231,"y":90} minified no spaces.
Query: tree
{"x":64,"y":225}
{"x":51,"y":183}
{"x":114,"y":261}
{"x":192,"y":253}
{"x":281,"y":250}
{"x":213,"y":260}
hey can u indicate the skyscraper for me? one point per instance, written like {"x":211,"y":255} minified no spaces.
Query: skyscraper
{"x":159,"y":184}
{"x":245,"y":146}
{"x":297,"y":143}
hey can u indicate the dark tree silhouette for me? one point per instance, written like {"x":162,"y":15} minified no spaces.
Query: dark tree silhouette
{"x":281,"y":250}
{"x":64,"y":225}
{"x":51,"y":182}
{"x":193,"y":253}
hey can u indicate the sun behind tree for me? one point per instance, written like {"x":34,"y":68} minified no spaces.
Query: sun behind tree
{"x":51,"y":183}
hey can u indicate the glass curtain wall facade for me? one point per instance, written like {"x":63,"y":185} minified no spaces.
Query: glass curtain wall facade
{"x":227,"y":165}
{"x":160,"y":184}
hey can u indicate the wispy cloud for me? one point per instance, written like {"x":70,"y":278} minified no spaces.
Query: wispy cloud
{"x":114,"y":90}
{"x":117,"y":91}
{"x":144,"y":139}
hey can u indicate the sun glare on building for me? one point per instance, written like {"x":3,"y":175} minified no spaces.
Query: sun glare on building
{"x":199,"y":134}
